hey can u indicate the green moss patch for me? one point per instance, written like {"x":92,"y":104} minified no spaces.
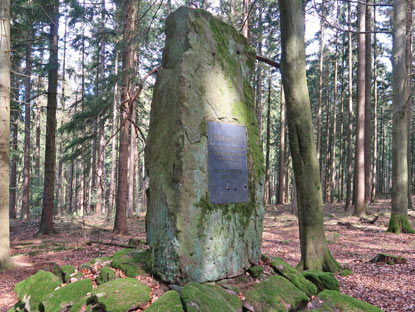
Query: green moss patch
{"x":105,"y":275}
{"x":66,"y":296}
{"x":67,"y":270}
{"x":209,"y":298}
{"x":131,"y":262}
{"x":34,"y":289}
{"x":255,"y":271}
{"x":346,"y":272}
{"x":170,"y":301}
{"x":323,"y":280}
{"x":276,"y":293}
{"x":81,"y":306}
{"x":282,"y":268}
{"x":334,"y":301}
{"x":121,"y":295}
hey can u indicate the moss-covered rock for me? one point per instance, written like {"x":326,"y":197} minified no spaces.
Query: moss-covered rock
{"x":282,"y":268}
{"x":333,"y":301}
{"x":105,"y":275}
{"x":276,"y":293}
{"x":81,"y":305}
{"x":121,"y":295}
{"x":170,"y":301}
{"x":67,"y":271}
{"x":131,"y":262}
{"x":57,"y":270}
{"x":255,"y":271}
{"x":66,"y":296}
{"x":34,"y":289}
{"x":323,"y":280}
{"x":209,"y":298}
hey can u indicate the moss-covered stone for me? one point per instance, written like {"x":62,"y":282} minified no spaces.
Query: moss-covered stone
{"x":276,"y":293}
{"x":81,"y":306}
{"x":255,"y":271}
{"x":67,"y":270}
{"x":66,"y":296}
{"x":323,"y":280}
{"x":209,"y":298}
{"x":334,"y":301}
{"x":57,"y":270}
{"x":34,"y":289}
{"x":105,"y":275}
{"x":170,"y":302}
{"x":121,"y":295}
{"x":205,"y":77}
{"x":346,"y":272}
{"x":294,"y":276}
{"x":131,"y":262}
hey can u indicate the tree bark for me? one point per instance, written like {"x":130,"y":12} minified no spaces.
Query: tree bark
{"x":259,"y":75}
{"x":375,"y":112}
{"x":245,"y":18}
{"x":399,"y":221}
{"x":130,"y":9}
{"x":314,"y":248}
{"x":13,"y":168}
{"x":410,"y":7}
{"x":27,"y":156}
{"x":46,"y":221}
{"x":132,"y":160}
{"x":320,"y":91}
{"x":360,"y":209}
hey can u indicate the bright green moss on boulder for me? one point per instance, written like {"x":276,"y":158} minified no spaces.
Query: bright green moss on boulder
{"x":209,"y":298}
{"x":256,"y":270}
{"x":131,"y":262}
{"x":170,"y":301}
{"x":66,"y":296}
{"x":334,"y":301}
{"x":276,"y":294}
{"x":121,"y":295}
{"x":105,"y":275}
{"x":323,"y":280}
{"x":282,"y":268}
{"x":67,"y":270}
{"x":81,"y":306}
{"x":34,"y":289}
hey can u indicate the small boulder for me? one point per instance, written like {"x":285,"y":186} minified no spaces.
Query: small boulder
{"x":170,"y":301}
{"x":209,"y":298}
{"x":131,"y":262}
{"x":67,"y":270}
{"x":323,"y":280}
{"x":333,"y":301}
{"x":105,"y":275}
{"x":121,"y":295}
{"x":282,"y":268}
{"x":81,"y":305}
{"x":66,"y":296}
{"x":34,"y":289}
{"x":276,"y":293}
{"x":256,"y":271}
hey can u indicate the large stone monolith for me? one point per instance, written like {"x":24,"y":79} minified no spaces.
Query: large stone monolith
{"x":203,"y":155}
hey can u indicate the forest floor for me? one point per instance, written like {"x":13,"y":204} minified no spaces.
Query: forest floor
{"x":353,"y":242}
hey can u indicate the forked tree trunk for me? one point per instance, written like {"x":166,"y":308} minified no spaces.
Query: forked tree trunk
{"x":46,"y":221}
{"x":314,"y":249}
{"x":399,"y":221}
{"x":360,"y":209}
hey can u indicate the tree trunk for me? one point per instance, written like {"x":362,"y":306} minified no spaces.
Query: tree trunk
{"x":410,"y":5}
{"x":368,"y":102}
{"x":130,"y":9}
{"x":5,"y":260}
{"x":13,"y":168}
{"x":375,"y":112}
{"x":320,"y":91}
{"x":399,"y":221}
{"x":259,"y":74}
{"x":350,"y":113}
{"x":360,"y":209}
{"x":46,"y":221}
{"x":267,"y":197}
{"x":27,"y":155}
{"x":314,"y":249}
{"x":132,"y":160}
{"x":281,"y":170}
{"x":245,"y":18}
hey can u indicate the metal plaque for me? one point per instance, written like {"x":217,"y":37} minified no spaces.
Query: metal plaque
{"x":227,"y":163}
